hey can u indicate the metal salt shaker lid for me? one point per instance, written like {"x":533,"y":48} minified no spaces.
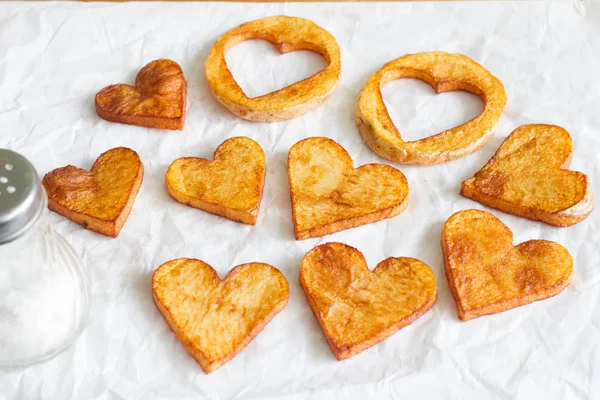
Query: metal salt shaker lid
{"x":22,"y":198}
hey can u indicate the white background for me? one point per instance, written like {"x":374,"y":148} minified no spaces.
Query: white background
{"x":54,"y":57}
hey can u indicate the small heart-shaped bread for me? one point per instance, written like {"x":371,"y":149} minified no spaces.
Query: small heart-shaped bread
{"x":328,"y":194}
{"x":231,"y":185}
{"x":99,"y":200}
{"x":357,"y":308}
{"x":487,"y":274}
{"x":215,"y":319}
{"x":157,"y":100}
{"x":527,"y":177}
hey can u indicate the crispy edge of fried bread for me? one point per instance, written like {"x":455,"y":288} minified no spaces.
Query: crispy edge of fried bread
{"x":246,"y":217}
{"x":465,"y":314}
{"x":110,"y":228}
{"x":570,"y":216}
{"x":173,"y":124}
{"x":340,"y":351}
{"x":349,"y":223}
{"x":207,"y":365}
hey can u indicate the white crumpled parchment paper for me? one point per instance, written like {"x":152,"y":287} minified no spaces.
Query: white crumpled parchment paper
{"x":54,"y":57}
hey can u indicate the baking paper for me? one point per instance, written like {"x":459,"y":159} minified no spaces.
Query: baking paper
{"x":55,"y":56}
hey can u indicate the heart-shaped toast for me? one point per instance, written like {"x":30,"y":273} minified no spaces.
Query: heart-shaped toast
{"x":527,"y":177}
{"x":157,"y":100}
{"x":487,"y":274}
{"x":287,"y":34}
{"x":231,"y":185}
{"x":328,"y":194}
{"x":101,"y":199}
{"x":357,"y":308}
{"x":215,"y":319}
{"x":444,"y":72}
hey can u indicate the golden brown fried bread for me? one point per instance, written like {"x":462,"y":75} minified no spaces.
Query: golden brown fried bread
{"x":101,"y":199}
{"x":528,"y":177}
{"x":358,"y":308}
{"x":328,"y":194}
{"x":444,"y":72}
{"x":215,"y":319}
{"x":487,"y":274}
{"x":287,"y":34}
{"x":231,"y":185}
{"x":157,"y":100}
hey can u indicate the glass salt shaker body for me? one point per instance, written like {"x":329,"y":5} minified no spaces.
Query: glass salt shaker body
{"x":44,"y":295}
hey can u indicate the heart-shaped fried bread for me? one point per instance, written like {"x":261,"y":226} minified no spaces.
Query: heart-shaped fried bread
{"x":328,"y":194}
{"x":527,"y":177}
{"x":287,"y":34}
{"x":157,"y":100}
{"x":357,"y":308}
{"x":101,"y":199}
{"x":444,"y":72}
{"x":215,"y":319}
{"x":487,"y":274}
{"x":231,"y":185}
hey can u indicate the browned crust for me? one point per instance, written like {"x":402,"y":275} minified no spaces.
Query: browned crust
{"x":504,"y":305}
{"x":245,"y":216}
{"x":206,"y":365}
{"x":174,"y":124}
{"x":286,"y":34}
{"x":381,"y":135}
{"x":556,"y":219}
{"x":342,"y":352}
{"x":213,"y":208}
{"x":347,"y":223}
{"x":110,"y":228}
{"x":149,"y":121}
{"x":578,"y":212}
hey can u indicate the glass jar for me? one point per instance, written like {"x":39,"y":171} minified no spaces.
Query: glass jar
{"x":43,"y":290}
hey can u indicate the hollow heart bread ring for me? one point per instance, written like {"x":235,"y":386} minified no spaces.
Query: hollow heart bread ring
{"x":444,"y":72}
{"x":287,"y":34}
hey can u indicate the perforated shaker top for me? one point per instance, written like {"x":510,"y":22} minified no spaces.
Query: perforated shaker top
{"x":22,"y":198}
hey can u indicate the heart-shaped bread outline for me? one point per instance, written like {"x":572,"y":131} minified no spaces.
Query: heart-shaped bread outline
{"x":344,"y":223}
{"x":57,"y":183}
{"x":569,"y":215}
{"x":160,"y":79}
{"x":330,"y":255}
{"x":444,"y":72}
{"x":458,"y":247}
{"x":247,"y":215}
{"x":209,"y":365}
{"x":286,"y":34}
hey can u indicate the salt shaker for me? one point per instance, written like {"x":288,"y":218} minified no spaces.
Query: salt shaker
{"x":43,"y":290}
